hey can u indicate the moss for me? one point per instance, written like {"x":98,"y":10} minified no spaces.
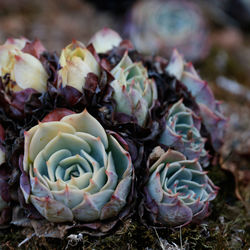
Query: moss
{"x":228,"y":227}
{"x":223,"y":62}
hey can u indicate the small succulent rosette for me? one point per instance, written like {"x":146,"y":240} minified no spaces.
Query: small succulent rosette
{"x":210,"y":113}
{"x":178,"y":190}
{"x":182,"y":132}
{"x":134,"y":92}
{"x":81,"y":80}
{"x":21,"y":74}
{"x":76,"y":63}
{"x":77,"y":171}
{"x":5,"y":210}
{"x":157,"y":26}
{"x":105,"y":40}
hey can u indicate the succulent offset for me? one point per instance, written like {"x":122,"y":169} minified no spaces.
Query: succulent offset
{"x":179,"y":188}
{"x":77,"y":171}
{"x":182,"y":132}
{"x":211,"y":115}
{"x":24,"y":69}
{"x":134,"y":92}
{"x":105,"y":40}
{"x":76,"y":62}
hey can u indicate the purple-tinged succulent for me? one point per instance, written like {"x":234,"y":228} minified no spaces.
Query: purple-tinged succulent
{"x":178,"y":191}
{"x":182,"y":132}
{"x":76,"y":170}
{"x":22,"y":76}
{"x":157,"y":26}
{"x":76,"y":62}
{"x":212,"y":118}
{"x":134,"y":92}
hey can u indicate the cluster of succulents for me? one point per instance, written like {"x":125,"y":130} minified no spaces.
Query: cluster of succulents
{"x":101,"y":132}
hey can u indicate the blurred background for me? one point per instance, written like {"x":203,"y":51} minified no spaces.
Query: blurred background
{"x":214,"y":35}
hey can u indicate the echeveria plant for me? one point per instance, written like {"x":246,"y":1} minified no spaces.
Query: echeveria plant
{"x":134,"y":92}
{"x":182,"y":132}
{"x":157,"y":26}
{"x":25,"y":70}
{"x":76,"y":170}
{"x":105,"y":40}
{"x":76,"y":62}
{"x":210,"y":112}
{"x":178,"y":190}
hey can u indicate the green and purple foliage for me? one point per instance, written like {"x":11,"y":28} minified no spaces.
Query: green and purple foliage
{"x":178,"y":191}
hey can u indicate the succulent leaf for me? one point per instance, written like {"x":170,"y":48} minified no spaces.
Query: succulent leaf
{"x":182,"y":133}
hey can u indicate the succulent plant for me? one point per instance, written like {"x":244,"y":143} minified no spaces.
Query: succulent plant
{"x":134,"y":92}
{"x":76,"y":170}
{"x":210,"y":113}
{"x":25,"y":70}
{"x":182,"y":132}
{"x":160,"y":26}
{"x":76,"y":62}
{"x":105,"y":39}
{"x":178,"y":191}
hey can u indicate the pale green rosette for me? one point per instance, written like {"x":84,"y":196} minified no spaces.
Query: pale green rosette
{"x":77,"y":171}
{"x":134,"y":92}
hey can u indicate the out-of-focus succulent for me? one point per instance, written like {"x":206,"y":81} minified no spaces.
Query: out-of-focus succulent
{"x":25,"y":70}
{"x":212,"y":118}
{"x":182,"y":132}
{"x":105,"y":39}
{"x":76,"y":62}
{"x":178,"y":191}
{"x":134,"y":92}
{"x":160,"y":26}
{"x":76,"y":170}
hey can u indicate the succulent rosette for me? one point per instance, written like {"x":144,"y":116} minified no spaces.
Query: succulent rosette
{"x":178,"y":191}
{"x":77,"y":171}
{"x":182,"y":131}
{"x":160,"y":26}
{"x":105,"y":40}
{"x":134,"y":92}
{"x":210,"y":113}
{"x":21,"y":73}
